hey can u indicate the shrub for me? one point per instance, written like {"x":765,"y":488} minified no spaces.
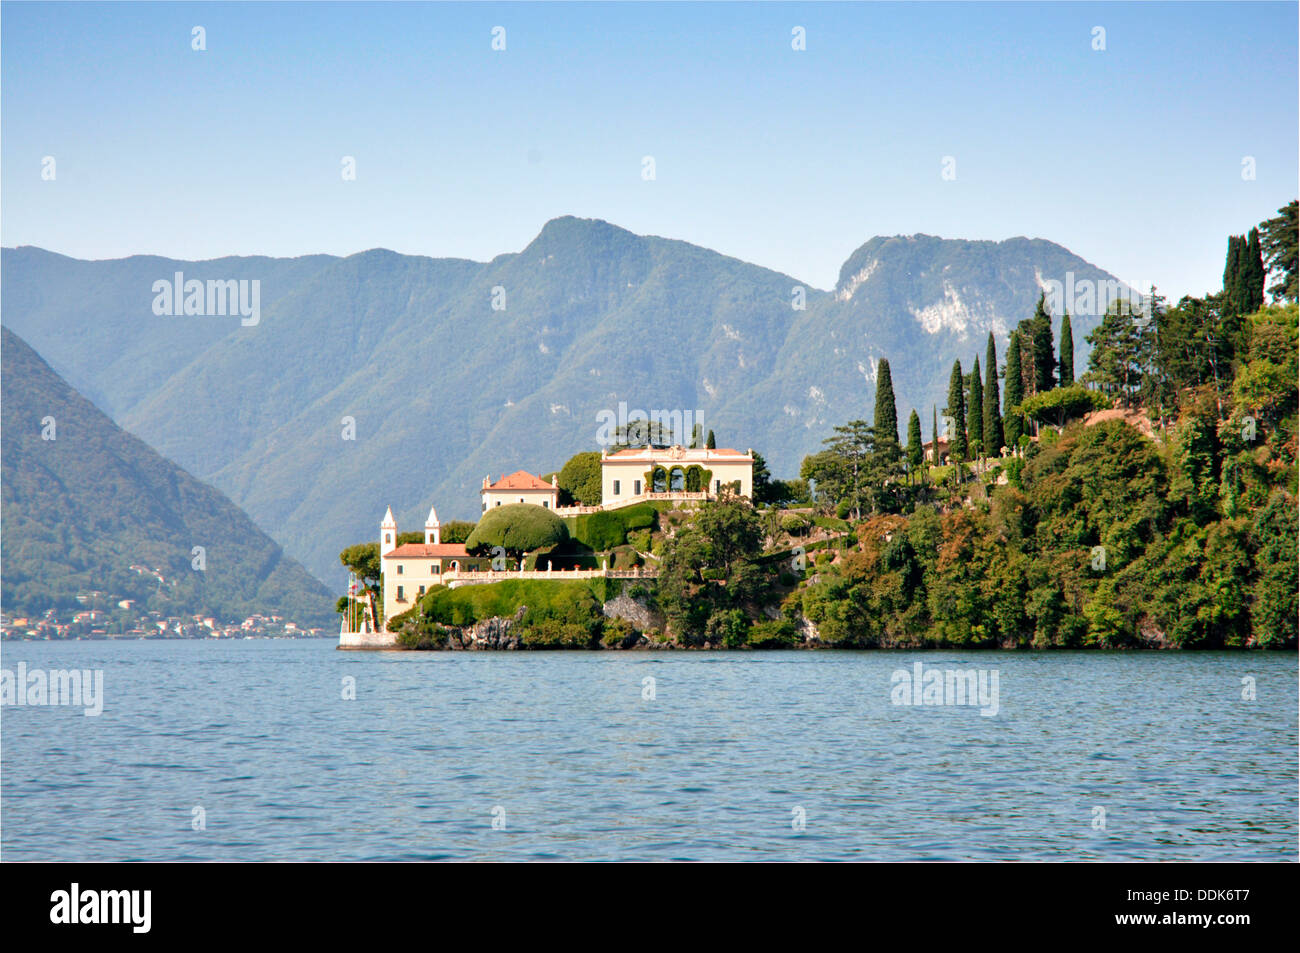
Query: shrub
{"x":607,"y":529}
{"x":727,"y":627}
{"x":795,"y":524}
{"x":773,"y":634}
{"x":618,"y":633}
{"x":580,"y":478}
{"x":517,"y":528}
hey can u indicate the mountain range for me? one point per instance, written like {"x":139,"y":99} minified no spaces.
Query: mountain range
{"x":447,"y":370}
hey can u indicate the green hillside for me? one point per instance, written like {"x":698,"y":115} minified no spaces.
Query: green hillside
{"x":81,"y":509}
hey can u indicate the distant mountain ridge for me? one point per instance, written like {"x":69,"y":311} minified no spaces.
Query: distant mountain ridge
{"x":88,"y":507}
{"x":443,"y":388}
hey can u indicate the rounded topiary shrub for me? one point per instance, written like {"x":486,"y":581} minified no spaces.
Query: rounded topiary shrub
{"x":517,"y":528}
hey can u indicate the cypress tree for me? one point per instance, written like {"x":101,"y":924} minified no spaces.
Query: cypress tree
{"x":934,"y":436}
{"x":956,"y":410}
{"x":975,"y":412}
{"x":1067,"y":351}
{"x":1013,"y":422}
{"x":915,"y":453}
{"x":1242,"y":290}
{"x":1256,"y":275}
{"x":1231,"y":277}
{"x":710,"y":443}
{"x":992,"y":416}
{"x":886,"y":413}
{"x":1042,"y":353}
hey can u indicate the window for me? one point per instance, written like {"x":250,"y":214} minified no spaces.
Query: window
{"x":435,"y":569}
{"x":616,"y":488}
{"x":422,"y":590}
{"x":546,"y":504}
{"x":498,"y":502}
{"x":485,"y":506}
{"x":388,"y":537}
{"x":399,"y":569}
{"x":636,"y":487}
{"x":400,"y":596}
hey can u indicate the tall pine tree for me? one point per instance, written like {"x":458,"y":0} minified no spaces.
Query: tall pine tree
{"x":886,"y":429}
{"x":1013,"y":423}
{"x":1067,"y":351}
{"x":993,"y":438}
{"x":956,"y":411}
{"x":975,"y":412}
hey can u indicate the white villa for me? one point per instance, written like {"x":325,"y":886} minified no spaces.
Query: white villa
{"x":626,"y":474}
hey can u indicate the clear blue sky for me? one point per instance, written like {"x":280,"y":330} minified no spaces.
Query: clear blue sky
{"x":1130,"y":157}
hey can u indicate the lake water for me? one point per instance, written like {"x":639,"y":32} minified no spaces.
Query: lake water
{"x":1094,"y":756}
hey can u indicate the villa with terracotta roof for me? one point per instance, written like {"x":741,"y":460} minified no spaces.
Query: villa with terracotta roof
{"x":410,"y":569}
{"x":520,"y":487}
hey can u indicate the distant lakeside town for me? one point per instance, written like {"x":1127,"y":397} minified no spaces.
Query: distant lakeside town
{"x":104,"y":617}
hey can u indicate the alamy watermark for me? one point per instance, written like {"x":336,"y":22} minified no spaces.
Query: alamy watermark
{"x":1094,"y":296}
{"x":658,"y":427}
{"x":80,"y":687}
{"x":946,"y":686}
{"x":213,"y":297}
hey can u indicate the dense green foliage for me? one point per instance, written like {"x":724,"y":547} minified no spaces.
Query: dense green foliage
{"x":556,"y":614}
{"x":712,"y":585}
{"x":1024,"y":570}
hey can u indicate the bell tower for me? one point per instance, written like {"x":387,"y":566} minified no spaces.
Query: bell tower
{"x":387,"y":533}
{"x":432,"y":529}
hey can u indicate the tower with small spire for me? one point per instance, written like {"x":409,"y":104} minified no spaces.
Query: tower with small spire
{"x":432,"y":529}
{"x":387,"y":533}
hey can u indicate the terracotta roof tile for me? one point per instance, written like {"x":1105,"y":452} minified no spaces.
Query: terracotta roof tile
{"x":426,"y":551}
{"x":521,"y":480}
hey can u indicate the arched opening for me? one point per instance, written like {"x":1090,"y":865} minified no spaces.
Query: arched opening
{"x":660,"y":480}
{"x":676,"y":479}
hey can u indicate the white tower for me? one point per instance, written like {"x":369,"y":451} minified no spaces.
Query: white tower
{"x":432,"y":529}
{"x":387,"y":533}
